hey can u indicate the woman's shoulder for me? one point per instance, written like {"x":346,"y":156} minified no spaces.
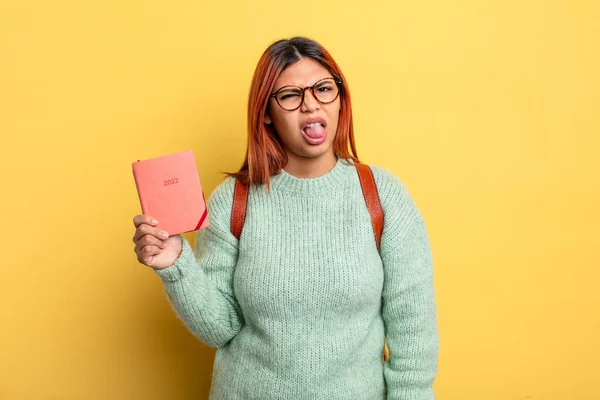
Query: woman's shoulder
{"x":220,"y":201}
{"x":394,"y":194}
{"x":399,"y":208}
{"x":223,"y":192}
{"x":218,"y":205}
{"x":388,"y":183}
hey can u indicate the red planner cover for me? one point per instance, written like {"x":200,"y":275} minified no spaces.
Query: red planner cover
{"x":169,"y":190}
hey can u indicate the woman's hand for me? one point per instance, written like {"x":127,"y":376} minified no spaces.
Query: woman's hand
{"x":153,"y":246}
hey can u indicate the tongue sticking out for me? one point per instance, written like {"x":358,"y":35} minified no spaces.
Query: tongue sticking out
{"x":314,"y":131}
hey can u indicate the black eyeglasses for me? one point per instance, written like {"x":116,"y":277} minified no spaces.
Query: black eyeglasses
{"x":290,"y":97}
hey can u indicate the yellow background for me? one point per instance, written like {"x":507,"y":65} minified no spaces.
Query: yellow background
{"x":487,"y":110}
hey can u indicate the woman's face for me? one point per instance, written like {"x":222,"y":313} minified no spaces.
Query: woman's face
{"x":306,"y":133}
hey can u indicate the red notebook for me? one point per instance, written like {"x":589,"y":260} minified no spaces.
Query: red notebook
{"x":169,"y":190}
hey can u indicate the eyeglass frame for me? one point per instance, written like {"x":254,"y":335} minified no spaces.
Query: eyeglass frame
{"x":337,"y":81}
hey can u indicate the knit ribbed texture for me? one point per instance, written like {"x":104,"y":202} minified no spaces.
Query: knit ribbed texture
{"x":294,"y":307}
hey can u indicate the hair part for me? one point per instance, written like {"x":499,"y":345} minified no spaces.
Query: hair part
{"x":265,"y":155}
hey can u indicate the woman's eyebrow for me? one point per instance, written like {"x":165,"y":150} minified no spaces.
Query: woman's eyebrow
{"x":320,"y":79}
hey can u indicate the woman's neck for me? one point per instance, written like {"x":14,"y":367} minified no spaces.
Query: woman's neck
{"x":305,"y":167}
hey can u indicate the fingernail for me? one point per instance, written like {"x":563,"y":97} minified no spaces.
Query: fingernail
{"x":154,"y":222}
{"x":164,"y":235}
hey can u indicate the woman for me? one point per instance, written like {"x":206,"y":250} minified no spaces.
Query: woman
{"x":298,"y":307}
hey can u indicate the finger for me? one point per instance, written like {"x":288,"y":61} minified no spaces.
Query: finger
{"x":146,"y":255}
{"x":149,"y":240}
{"x":144,"y":219}
{"x":145,"y":229}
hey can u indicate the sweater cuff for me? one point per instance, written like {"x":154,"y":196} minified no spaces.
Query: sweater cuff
{"x":182,"y":265}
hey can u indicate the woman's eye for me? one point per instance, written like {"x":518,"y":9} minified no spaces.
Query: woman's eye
{"x":324,"y":89}
{"x":288,"y":96}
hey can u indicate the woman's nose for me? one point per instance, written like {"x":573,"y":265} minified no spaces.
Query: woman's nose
{"x":310,"y":103}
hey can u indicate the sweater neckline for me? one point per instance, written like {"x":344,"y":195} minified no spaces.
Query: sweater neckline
{"x":313,"y":186}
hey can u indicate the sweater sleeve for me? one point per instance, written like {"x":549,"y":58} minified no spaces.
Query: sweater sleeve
{"x":409,"y":310}
{"x":199,"y":285}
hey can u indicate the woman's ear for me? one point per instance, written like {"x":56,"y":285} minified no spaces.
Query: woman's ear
{"x":267,"y":120}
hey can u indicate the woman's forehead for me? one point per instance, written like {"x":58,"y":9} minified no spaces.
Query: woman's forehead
{"x":302,"y":73}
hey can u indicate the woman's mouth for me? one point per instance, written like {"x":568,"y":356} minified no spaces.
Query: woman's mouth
{"x":315,"y":133}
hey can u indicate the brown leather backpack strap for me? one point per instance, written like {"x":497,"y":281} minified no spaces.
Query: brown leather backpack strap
{"x":369,"y":188}
{"x":386,"y":351}
{"x":238,"y":209}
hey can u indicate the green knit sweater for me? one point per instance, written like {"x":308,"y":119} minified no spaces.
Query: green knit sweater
{"x":295,"y":306}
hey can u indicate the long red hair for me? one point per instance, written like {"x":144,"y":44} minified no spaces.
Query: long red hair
{"x":265,"y":155}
